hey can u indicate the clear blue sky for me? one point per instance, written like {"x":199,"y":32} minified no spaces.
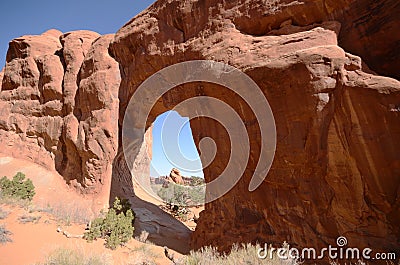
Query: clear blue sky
{"x":29,"y":17}
{"x":173,"y":146}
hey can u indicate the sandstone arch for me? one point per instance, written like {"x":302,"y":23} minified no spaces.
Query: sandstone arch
{"x":337,"y":162}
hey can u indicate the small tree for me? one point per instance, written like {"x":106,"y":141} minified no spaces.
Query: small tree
{"x":121,"y":205}
{"x":18,"y":187}
{"x":116,"y":227}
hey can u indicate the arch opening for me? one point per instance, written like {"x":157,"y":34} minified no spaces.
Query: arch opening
{"x":176,"y":172}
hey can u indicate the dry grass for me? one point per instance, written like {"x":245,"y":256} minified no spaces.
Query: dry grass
{"x":142,"y":255}
{"x":243,"y":255}
{"x":24,"y":219}
{"x":67,"y":214}
{"x":3,"y":214}
{"x":15,"y":202}
{"x":5,"y":235}
{"x":143,"y":236}
{"x":66,"y":256}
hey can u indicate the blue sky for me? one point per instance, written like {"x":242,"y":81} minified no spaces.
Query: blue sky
{"x":27,"y":17}
{"x":173,"y":146}
{"x":35,"y":17}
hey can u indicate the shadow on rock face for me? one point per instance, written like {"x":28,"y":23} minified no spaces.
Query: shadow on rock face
{"x":163,"y":229}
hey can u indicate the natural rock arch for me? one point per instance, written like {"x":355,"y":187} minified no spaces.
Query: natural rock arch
{"x":337,"y":163}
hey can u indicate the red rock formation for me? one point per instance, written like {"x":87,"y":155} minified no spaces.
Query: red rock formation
{"x":336,"y":166}
{"x":337,"y":163}
{"x":370,"y":30}
{"x":175,"y":176}
{"x":31,"y":99}
{"x":59,"y":98}
{"x":59,"y":107}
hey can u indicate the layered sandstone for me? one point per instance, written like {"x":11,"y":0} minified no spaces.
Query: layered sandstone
{"x":337,"y":165}
{"x":59,"y":107}
{"x":59,"y":98}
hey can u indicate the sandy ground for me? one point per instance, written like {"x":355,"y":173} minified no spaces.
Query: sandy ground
{"x":51,"y":190}
{"x":33,"y":241}
{"x":58,"y":205}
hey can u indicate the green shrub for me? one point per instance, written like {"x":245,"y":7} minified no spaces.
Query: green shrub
{"x":116,"y":227}
{"x":121,"y":205}
{"x":182,"y":195}
{"x":18,"y":187}
{"x":196,"y":181}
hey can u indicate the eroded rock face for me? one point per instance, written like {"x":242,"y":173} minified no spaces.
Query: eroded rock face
{"x":370,"y":30}
{"x":59,"y":105}
{"x":175,"y":176}
{"x":31,"y":99}
{"x":336,"y":166}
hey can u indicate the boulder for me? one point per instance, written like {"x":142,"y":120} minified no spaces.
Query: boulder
{"x":175,"y":176}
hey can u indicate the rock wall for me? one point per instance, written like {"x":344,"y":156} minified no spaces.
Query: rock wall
{"x":59,"y":105}
{"x":370,"y":30}
{"x":336,"y":166}
{"x":63,"y":98}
